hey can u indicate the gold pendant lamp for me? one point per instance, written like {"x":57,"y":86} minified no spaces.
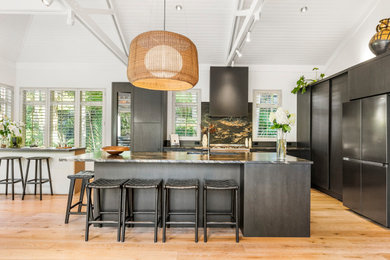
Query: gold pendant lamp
{"x":161,"y":60}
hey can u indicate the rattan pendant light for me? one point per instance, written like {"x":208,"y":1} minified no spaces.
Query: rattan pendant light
{"x":162,"y":60}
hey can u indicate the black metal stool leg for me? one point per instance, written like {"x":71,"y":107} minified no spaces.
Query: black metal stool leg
{"x":237,"y":218}
{"x":40,"y":179}
{"x":165,"y":214}
{"x":25,"y":182}
{"x":168,"y":216}
{"x":88,"y":213}
{"x":156,"y":214}
{"x":124,"y":207}
{"x":161,"y":207}
{"x":118,"y":238}
{"x":21,"y":171}
{"x":36,"y":177}
{"x":205,"y":214}
{"x":196,"y":213}
{"x":6,"y":178}
{"x":81,"y":198}
{"x":13,"y":179}
{"x":49,"y":174}
{"x":70,"y":198}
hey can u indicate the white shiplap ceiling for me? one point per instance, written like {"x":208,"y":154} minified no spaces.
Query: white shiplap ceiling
{"x":283,"y":35}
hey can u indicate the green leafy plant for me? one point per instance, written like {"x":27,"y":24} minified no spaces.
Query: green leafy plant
{"x":302,"y":82}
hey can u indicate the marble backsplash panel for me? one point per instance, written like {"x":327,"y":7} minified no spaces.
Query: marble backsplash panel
{"x":229,"y":130}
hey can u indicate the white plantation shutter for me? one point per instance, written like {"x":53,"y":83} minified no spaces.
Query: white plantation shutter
{"x":265,"y":102}
{"x":6,"y":101}
{"x":91,"y":109}
{"x":62,"y":117}
{"x":34,"y":116}
{"x":187,"y":112}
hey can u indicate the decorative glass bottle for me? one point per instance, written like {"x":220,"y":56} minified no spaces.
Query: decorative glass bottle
{"x":281,"y":145}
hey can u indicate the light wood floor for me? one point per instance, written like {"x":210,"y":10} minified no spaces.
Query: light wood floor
{"x":34,"y":229}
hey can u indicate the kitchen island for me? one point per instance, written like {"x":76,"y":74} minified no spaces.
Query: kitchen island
{"x":274,"y":195}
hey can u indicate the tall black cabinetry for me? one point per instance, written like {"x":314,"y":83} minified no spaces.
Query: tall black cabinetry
{"x":148,"y":117}
{"x":319,"y":128}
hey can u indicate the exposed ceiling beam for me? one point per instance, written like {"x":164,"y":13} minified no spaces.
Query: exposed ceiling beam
{"x":84,"y":18}
{"x":250,"y":19}
{"x":117,"y":26}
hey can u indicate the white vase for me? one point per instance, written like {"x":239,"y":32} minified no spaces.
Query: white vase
{"x":281,"y":145}
{"x":205,"y":142}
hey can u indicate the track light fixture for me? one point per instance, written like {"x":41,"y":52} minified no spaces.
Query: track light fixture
{"x":47,"y":2}
{"x":239,"y":54}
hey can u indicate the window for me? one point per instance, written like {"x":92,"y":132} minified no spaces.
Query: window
{"x":91,"y":108}
{"x":62,"y":118}
{"x":265,"y":102}
{"x":34,"y":116}
{"x":186,"y":114}
{"x":6,"y":101}
{"x":67,"y":118}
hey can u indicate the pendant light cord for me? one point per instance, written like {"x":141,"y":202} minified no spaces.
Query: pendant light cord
{"x":165,"y":7}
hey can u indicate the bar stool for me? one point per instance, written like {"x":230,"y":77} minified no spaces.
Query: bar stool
{"x":174,"y":184}
{"x":221,"y":185}
{"x":98,"y":185}
{"x":38,"y":180}
{"x":84,"y":176}
{"x":140,"y":184}
{"x":13,"y":180}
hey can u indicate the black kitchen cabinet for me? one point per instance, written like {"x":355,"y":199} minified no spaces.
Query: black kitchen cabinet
{"x":148,"y":117}
{"x":304,"y":119}
{"x":320,"y":134}
{"x":339,"y":95}
{"x":370,"y":78}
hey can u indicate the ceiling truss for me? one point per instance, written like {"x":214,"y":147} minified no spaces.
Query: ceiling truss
{"x":252,"y":14}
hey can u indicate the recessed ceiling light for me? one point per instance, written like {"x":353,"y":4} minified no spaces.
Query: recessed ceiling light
{"x":179,"y":7}
{"x":47,"y":2}
{"x":304,"y":9}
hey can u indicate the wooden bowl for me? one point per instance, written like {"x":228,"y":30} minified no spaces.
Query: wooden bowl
{"x":115,"y":150}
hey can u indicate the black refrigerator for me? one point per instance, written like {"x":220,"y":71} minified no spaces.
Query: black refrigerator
{"x":366,"y":157}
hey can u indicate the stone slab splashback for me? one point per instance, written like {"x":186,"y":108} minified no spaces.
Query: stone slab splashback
{"x":229,"y":130}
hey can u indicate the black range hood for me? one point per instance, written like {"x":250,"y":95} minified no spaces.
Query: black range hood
{"x":228,"y":91}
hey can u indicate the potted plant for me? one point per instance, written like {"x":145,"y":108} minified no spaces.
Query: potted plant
{"x":302,"y":82}
{"x":11,"y":133}
{"x":282,"y":121}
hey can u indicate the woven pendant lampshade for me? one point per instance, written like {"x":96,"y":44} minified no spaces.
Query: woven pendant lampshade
{"x":162,"y":60}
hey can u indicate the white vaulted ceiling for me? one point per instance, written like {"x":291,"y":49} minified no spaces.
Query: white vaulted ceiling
{"x":283,"y":35}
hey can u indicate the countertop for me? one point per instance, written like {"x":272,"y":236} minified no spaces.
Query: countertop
{"x":41,"y":149}
{"x":184,"y":157}
{"x":253,"y":148}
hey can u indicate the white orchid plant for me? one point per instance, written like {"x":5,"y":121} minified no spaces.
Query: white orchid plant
{"x":282,"y":119}
{"x":10,"y":128}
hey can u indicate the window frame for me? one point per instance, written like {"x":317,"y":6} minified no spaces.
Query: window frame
{"x":77,"y":103}
{"x":11,"y":103}
{"x":255,"y":116}
{"x":199,"y":116}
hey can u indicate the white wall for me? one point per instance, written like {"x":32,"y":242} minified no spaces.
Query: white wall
{"x":71,"y":75}
{"x":7,"y":72}
{"x":266,"y":77}
{"x":354,"y":49}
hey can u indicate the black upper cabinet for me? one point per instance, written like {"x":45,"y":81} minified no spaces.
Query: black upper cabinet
{"x":370,"y":78}
{"x":320,"y":134}
{"x":228,"y":91}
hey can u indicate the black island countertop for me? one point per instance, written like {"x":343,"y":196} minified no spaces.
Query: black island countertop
{"x":185,"y":157}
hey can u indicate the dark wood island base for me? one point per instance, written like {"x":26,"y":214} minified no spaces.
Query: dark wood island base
{"x":274,"y":195}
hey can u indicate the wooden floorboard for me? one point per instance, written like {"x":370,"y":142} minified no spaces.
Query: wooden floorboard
{"x":33,"y":229}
